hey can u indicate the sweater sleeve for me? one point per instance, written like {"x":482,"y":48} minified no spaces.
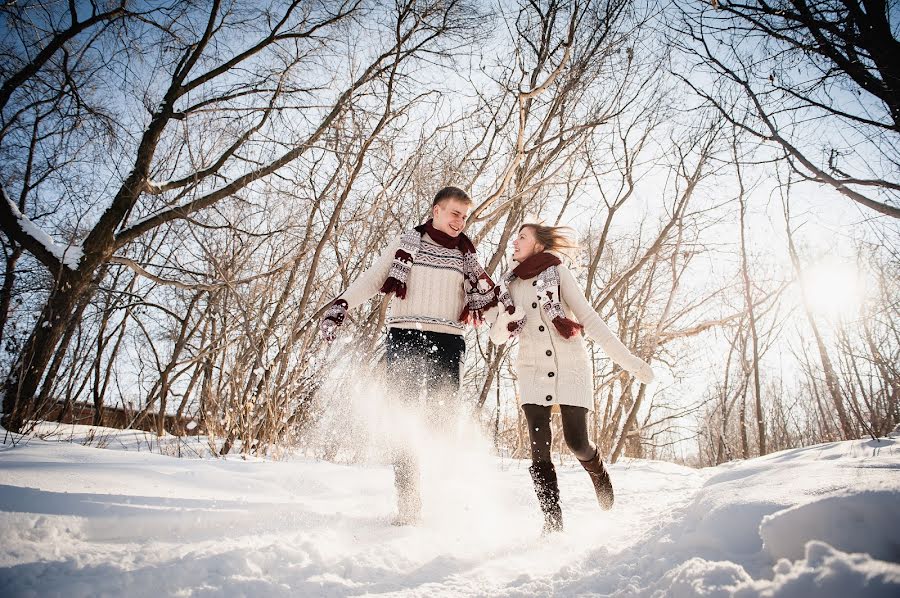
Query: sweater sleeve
{"x":369,"y":282}
{"x":594,"y":326}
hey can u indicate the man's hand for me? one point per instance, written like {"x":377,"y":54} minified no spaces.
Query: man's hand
{"x":332,"y":319}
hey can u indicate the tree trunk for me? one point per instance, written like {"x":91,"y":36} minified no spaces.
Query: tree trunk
{"x":742,"y":421}
{"x":9,"y":278}
{"x":748,"y":299}
{"x":19,"y":404}
{"x":831,"y":381}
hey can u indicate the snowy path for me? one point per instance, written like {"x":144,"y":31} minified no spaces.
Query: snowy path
{"x":79,"y":521}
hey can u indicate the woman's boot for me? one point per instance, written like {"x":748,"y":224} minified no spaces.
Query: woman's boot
{"x":600,"y":478}
{"x":546,"y":486}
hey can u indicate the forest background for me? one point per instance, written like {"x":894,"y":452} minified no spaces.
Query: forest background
{"x":187,"y":185}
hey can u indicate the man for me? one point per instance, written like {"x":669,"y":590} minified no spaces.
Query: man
{"x":438,"y":287}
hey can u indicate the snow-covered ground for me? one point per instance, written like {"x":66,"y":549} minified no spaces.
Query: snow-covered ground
{"x":81,"y":521}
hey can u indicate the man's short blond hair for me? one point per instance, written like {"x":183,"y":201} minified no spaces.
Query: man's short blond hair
{"x":451,"y":193}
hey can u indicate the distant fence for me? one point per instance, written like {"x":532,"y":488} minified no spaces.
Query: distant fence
{"x":117,"y":417}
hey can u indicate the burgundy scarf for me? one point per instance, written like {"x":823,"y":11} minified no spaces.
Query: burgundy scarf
{"x":480,"y":290}
{"x":534,"y":265}
{"x":543,"y":265}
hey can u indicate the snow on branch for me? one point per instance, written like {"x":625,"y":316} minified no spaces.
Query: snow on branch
{"x":19,"y":228}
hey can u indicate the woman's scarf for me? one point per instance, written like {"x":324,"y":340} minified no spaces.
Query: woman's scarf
{"x":544,"y":266}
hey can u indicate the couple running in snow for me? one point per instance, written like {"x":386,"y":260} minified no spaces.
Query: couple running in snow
{"x":439,"y":287}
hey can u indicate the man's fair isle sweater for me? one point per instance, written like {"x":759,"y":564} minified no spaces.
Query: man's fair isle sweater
{"x":435,"y":297}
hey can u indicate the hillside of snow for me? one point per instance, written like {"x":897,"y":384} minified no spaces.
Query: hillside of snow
{"x":80,"y":521}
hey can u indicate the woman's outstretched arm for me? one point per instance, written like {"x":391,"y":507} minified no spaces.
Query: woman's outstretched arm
{"x":596,"y":329}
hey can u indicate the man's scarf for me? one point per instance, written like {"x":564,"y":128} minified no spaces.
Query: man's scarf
{"x":480,"y":290}
{"x":544,"y":266}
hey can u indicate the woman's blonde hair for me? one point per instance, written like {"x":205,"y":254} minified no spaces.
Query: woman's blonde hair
{"x":554,"y":238}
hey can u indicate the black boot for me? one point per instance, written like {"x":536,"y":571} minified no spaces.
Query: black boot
{"x":546,"y":487}
{"x":600,"y":477}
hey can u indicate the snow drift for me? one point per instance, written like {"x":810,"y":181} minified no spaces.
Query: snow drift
{"x":82,"y":521}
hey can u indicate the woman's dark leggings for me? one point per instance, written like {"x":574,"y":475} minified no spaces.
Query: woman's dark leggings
{"x":574,"y":424}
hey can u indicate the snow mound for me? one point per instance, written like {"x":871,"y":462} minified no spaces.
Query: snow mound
{"x":866,"y":521}
{"x":826,"y":572}
{"x":823,"y":572}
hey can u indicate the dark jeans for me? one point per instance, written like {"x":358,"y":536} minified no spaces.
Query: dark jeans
{"x":574,"y":424}
{"x":421,"y":361}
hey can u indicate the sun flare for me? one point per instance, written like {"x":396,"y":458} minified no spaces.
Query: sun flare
{"x":834,"y":288}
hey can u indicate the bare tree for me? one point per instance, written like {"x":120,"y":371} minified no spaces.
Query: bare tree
{"x":748,"y":301}
{"x":200,"y":88}
{"x":544,"y":111}
{"x":847,"y":428}
{"x":819,"y":82}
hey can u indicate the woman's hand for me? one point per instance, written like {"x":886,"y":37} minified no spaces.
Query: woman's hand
{"x":644,"y":373}
{"x":500,"y":331}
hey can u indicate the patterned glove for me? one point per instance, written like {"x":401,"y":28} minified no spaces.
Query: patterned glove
{"x":333,"y":318}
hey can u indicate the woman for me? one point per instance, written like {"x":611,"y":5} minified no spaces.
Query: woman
{"x":541,"y":296}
